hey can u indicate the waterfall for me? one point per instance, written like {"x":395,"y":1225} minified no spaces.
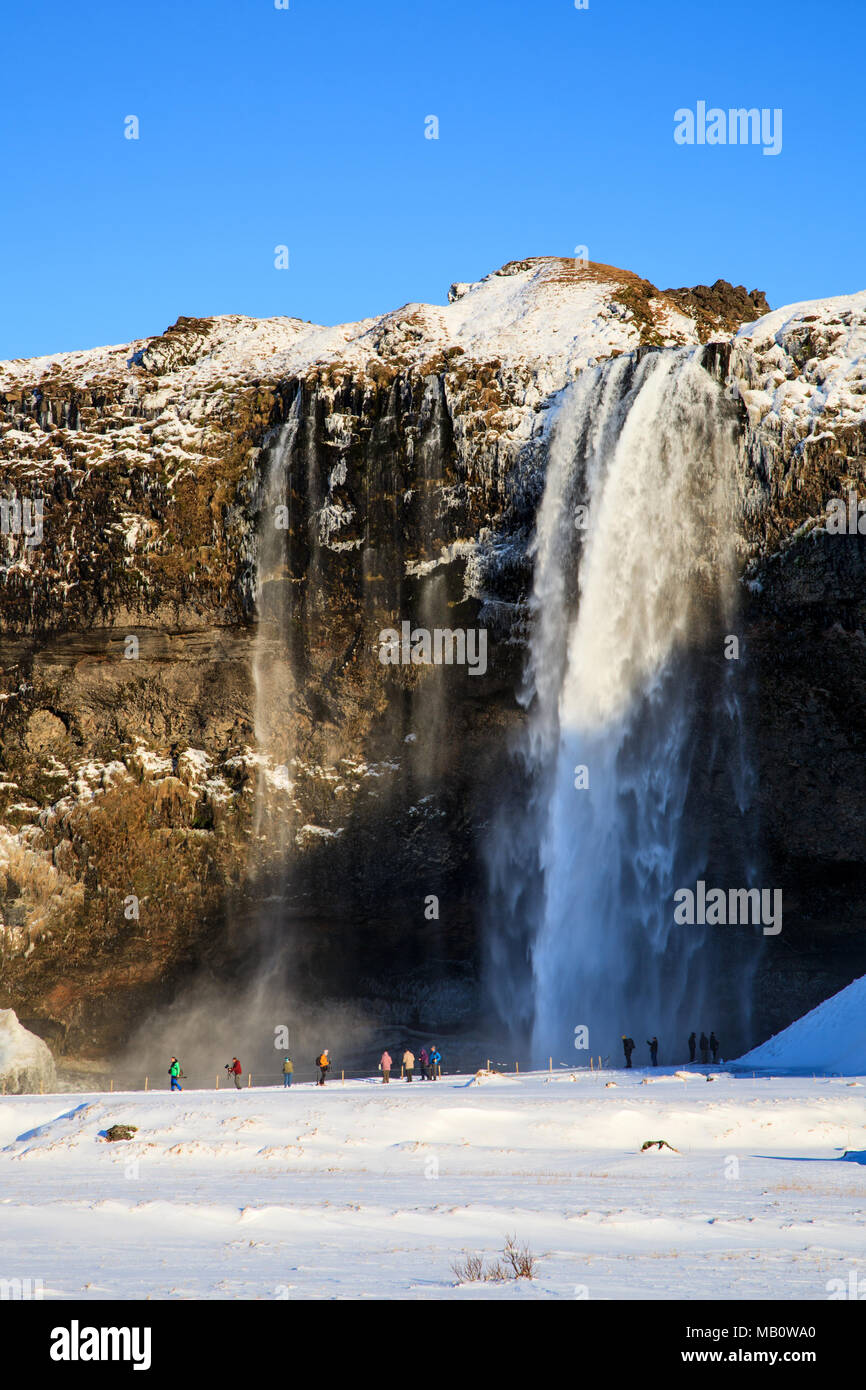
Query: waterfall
{"x":272,"y":666}
{"x":632,"y":713}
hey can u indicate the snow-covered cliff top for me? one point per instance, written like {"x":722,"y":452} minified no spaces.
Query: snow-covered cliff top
{"x":168,"y":404}
{"x":804,"y":366}
{"x":546,"y":310}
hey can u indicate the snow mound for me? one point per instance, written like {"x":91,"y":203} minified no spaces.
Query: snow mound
{"x":830,"y":1038}
{"x":25,"y":1060}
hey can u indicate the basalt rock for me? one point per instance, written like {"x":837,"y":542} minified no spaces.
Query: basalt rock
{"x":118,"y":1133}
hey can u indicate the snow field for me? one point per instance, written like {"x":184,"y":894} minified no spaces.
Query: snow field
{"x":359,"y":1191}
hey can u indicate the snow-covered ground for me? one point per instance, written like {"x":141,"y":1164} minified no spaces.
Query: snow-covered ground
{"x":362,"y":1191}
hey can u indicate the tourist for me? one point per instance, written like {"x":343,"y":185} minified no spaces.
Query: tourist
{"x":234,"y":1069}
{"x":323,"y":1062}
{"x":408,"y":1064}
{"x":692,"y":1046}
{"x":714,"y":1046}
{"x":288,"y":1069}
{"x":628,"y":1048}
{"x":653,"y":1045}
{"x":705,"y":1049}
{"x":174,"y":1073}
{"x":435,"y":1059}
{"x":385,"y":1067}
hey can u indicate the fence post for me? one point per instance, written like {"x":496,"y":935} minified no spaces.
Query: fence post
{"x":249,"y":1080}
{"x":550,"y":1064}
{"x":217,"y":1081}
{"x":112,"y":1087}
{"x":147,"y":1083}
{"x":517,"y":1067}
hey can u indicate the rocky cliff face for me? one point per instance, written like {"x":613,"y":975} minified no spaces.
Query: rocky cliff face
{"x":131,"y":849}
{"x":801,"y":375}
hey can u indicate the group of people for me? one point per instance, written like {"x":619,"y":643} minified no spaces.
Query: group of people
{"x":428,"y":1064}
{"x":429,"y":1061}
{"x":233,"y":1068}
{"x":707,"y":1045}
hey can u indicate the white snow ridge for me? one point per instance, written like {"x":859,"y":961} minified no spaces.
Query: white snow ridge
{"x":832,"y":1038}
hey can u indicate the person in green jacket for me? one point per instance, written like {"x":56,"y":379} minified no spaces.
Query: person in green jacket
{"x":288,"y":1068}
{"x":174,"y":1073}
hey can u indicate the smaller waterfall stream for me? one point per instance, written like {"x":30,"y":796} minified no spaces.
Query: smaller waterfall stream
{"x":272,"y":656}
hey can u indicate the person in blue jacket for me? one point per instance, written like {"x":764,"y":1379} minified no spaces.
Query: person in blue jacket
{"x":434,"y":1057}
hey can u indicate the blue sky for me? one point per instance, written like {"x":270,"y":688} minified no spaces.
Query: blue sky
{"x":304,"y":127}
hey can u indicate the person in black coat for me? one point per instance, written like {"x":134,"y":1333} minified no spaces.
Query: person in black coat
{"x":705,"y":1049}
{"x":693,"y":1042}
{"x":653,"y":1045}
{"x":714,"y":1046}
{"x":628,"y":1048}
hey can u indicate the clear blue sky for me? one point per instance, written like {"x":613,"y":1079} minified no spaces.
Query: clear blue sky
{"x":305,"y":127}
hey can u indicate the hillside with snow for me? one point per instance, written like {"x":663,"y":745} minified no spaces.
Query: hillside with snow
{"x":546,"y":309}
{"x":832,"y":1038}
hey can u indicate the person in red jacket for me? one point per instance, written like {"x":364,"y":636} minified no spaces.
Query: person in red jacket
{"x":385,"y":1067}
{"x":234,"y":1069}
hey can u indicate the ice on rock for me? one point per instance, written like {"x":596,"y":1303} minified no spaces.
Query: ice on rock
{"x":26,"y":1063}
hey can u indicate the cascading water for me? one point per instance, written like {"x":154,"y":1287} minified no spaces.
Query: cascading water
{"x":634,"y":581}
{"x":272,"y":658}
